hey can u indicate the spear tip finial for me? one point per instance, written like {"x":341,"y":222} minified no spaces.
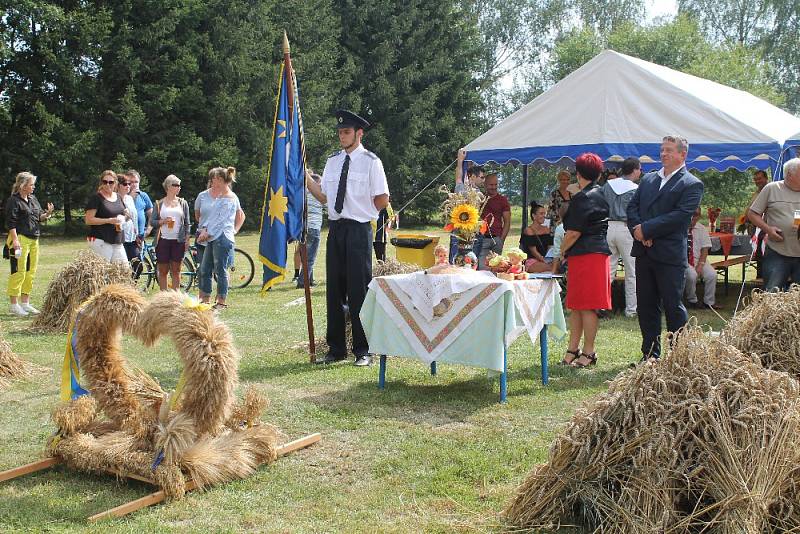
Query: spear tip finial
{"x":285,"y":43}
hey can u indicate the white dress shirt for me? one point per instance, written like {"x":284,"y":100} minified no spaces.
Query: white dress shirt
{"x":365,"y":180}
{"x":665,"y":179}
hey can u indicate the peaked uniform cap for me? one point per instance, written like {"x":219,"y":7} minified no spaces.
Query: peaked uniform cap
{"x":348,"y":119}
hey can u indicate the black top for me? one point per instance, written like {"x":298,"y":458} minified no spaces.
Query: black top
{"x":588,"y":214}
{"x":540,"y":242}
{"x":105,"y":210}
{"x":23,"y":215}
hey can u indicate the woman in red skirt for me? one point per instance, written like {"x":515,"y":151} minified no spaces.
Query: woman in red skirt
{"x":587,"y":252}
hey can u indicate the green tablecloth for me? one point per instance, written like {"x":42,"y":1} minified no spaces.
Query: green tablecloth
{"x":484,"y":337}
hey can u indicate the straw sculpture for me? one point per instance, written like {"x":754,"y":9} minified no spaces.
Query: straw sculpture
{"x":75,"y":283}
{"x":703,"y":441}
{"x":200,"y":434}
{"x":769,"y":328}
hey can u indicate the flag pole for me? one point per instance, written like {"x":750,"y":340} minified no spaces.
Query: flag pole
{"x":302,"y":244}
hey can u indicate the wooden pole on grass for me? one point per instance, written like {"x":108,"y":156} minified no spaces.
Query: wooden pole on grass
{"x":287,"y":59}
{"x":40,"y":465}
{"x":159,"y":496}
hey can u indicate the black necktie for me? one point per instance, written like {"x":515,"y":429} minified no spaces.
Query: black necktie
{"x":342,"y":185}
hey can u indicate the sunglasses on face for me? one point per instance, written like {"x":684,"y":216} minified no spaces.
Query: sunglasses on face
{"x":175,"y":185}
{"x":124,"y":184}
{"x":109,"y":182}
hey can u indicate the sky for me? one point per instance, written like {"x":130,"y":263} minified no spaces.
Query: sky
{"x":657,"y":8}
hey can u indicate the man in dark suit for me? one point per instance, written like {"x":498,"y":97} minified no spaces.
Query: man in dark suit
{"x":659,"y":215}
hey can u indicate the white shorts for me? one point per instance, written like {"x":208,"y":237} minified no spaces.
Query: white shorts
{"x":108,"y":251}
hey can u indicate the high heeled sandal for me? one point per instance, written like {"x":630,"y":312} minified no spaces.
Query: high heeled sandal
{"x":575,"y":353}
{"x":591,"y":357}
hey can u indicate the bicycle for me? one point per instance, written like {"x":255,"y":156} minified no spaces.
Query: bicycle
{"x":241,"y":269}
{"x":145,"y":273}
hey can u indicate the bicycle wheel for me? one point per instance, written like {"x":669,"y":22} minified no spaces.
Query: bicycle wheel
{"x":188,"y":274}
{"x":241,"y":270}
{"x":144,"y":273}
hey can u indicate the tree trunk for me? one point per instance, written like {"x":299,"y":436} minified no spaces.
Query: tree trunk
{"x":66,"y":193}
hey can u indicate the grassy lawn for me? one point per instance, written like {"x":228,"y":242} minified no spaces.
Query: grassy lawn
{"x":432,"y":454}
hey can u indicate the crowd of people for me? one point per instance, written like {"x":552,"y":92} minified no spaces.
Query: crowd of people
{"x":648,"y":223}
{"x":651,"y":225}
{"x":119,"y":217}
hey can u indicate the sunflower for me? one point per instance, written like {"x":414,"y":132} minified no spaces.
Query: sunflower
{"x":464,"y":217}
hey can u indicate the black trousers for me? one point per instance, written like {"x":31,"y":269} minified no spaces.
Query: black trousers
{"x":659,"y":287}
{"x":348,"y":262}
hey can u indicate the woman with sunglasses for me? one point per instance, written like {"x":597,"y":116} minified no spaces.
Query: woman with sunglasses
{"x":171,"y":219}
{"x":130,"y":228}
{"x":105,"y":215}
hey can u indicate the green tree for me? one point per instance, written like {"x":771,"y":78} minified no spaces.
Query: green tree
{"x":191,"y":84}
{"x":767,"y":28}
{"x":412,"y":78}
{"x":48,"y":69}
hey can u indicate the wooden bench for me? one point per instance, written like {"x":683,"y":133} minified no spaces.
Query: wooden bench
{"x":722,"y":267}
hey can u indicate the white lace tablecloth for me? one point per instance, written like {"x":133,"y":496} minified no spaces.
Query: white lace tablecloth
{"x":426,"y":291}
{"x":473,"y":329}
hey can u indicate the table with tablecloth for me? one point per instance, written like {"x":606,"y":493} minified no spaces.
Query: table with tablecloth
{"x":453,"y":318}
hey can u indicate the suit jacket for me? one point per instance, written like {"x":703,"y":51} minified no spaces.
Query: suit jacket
{"x":665,"y":215}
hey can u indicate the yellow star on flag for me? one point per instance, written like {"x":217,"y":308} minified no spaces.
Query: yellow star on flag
{"x":282,"y":124}
{"x":278,"y":206}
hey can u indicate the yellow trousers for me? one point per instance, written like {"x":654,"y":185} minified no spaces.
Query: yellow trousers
{"x":23,"y":269}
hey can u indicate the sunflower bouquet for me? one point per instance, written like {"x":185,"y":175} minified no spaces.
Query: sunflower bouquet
{"x":461,"y":213}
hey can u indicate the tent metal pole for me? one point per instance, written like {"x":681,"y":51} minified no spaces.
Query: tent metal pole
{"x":524,"y":196}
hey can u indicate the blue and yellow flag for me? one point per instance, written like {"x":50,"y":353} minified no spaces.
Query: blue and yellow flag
{"x":284,"y":195}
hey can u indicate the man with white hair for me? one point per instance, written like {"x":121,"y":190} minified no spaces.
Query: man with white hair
{"x":776,"y":211}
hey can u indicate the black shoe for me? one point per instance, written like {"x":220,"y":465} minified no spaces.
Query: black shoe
{"x":695,"y":305}
{"x":330,"y":358}
{"x":643,"y":360}
{"x":363,"y":361}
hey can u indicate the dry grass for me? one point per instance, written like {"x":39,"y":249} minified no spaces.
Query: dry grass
{"x":768,"y":327}
{"x":76,"y":282}
{"x":700,"y":440}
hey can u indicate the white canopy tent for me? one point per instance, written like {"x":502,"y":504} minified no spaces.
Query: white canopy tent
{"x":619,"y":106}
{"x":791,"y":147}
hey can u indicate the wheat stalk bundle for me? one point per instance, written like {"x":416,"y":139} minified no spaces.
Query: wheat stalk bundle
{"x":704,"y":440}
{"x":392,"y":266}
{"x":75,"y":283}
{"x":11,"y":366}
{"x":769,"y":328}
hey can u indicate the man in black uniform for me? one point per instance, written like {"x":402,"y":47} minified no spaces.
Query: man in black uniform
{"x":354,"y":188}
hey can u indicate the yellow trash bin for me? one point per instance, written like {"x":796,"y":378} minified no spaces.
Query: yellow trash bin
{"x":415,"y":248}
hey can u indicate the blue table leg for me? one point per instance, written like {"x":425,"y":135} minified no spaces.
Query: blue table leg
{"x":382,"y":373}
{"x":433,"y":368}
{"x":543,"y":350}
{"x":504,"y":376}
